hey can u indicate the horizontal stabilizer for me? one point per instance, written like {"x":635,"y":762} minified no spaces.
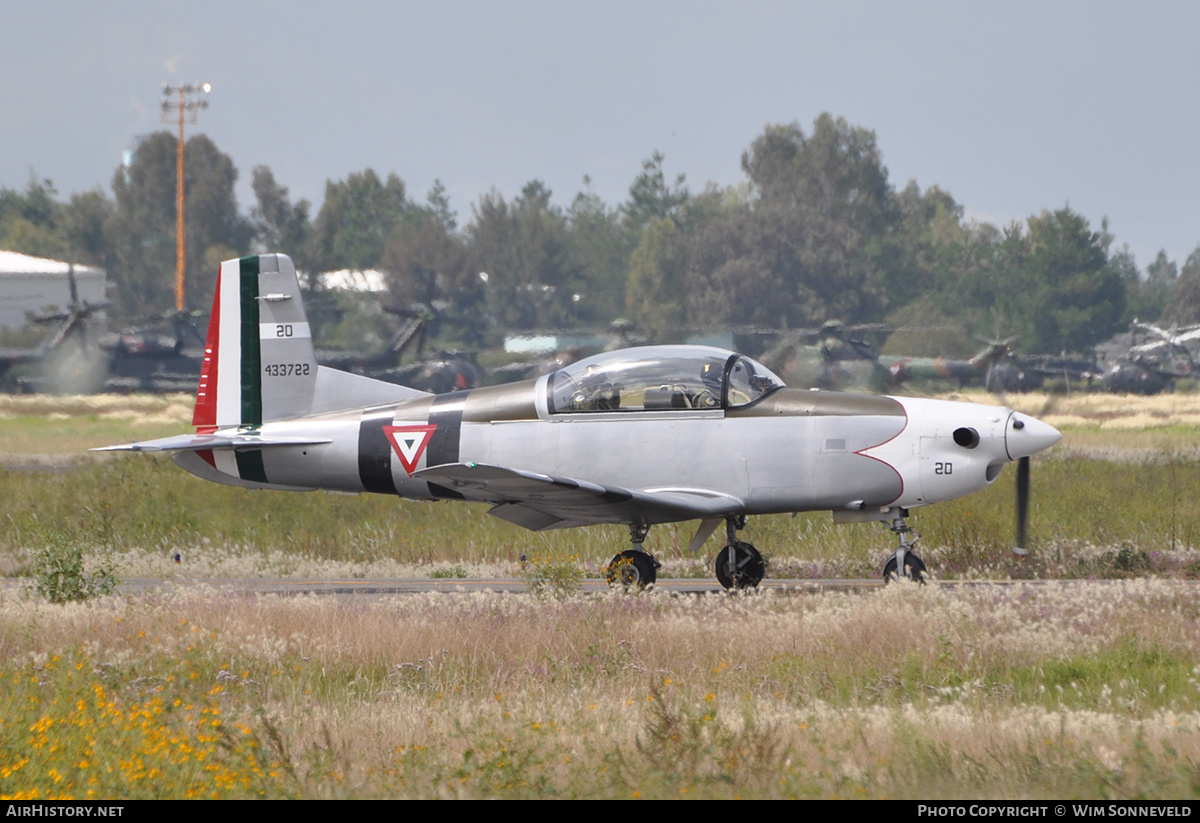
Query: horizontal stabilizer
{"x":218,"y":441}
{"x":338,"y":390}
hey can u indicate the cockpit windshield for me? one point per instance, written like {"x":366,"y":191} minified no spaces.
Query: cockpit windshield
{"x":660,"y":378}
{"x":748,"y":381}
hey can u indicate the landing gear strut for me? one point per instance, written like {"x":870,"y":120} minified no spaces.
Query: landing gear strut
{"x":739,"y":565}
{"x":633,"y":568}
{"x":904,"y":558}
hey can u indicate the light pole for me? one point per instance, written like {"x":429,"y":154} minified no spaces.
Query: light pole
{"x":186,"y":102}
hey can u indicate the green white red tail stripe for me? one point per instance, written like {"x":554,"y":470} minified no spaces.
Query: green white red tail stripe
{"x":230,"y":391}
{"x":259,"y":364}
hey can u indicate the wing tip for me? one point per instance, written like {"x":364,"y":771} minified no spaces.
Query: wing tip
{"x":123,"y":447}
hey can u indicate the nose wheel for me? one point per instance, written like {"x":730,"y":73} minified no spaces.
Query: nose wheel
{"x":904,"y":557}
{"x":914,"y":568}
{"x":739,"y":565}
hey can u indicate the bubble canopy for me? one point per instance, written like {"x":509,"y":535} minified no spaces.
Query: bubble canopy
{"x":660,"y":378}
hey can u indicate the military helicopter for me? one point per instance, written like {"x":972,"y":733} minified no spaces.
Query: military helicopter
{"x":981,"y":368}
{"x":839,"y":361}
{"x":160,"y":356}
{"x":166,"y":356}
{"x":639,"y":436}
{"x":69,"y":359}
{"x":1154,"y":365}
{"x":829,"y":358}
{"x":443,"y":371}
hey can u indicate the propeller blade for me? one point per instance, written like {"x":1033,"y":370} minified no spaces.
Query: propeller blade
{"x":993,"y":381}
{"x":1022,"y":505}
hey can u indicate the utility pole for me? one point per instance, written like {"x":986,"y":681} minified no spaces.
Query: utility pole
{"x":188,"y":103}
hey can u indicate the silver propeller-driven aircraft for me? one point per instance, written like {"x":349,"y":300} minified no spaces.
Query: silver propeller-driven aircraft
{"x":638,"y":436}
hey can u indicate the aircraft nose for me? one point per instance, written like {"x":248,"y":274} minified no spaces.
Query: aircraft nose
{"x":1025,"y":436}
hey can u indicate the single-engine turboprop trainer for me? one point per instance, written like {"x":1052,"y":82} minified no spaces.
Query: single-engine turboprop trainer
{"x":638,"y":436}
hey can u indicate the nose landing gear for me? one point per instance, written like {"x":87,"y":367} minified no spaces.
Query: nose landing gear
{"x":904,"y":558}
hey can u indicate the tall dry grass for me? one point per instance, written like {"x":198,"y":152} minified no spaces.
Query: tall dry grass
{"x":1033,"y":690}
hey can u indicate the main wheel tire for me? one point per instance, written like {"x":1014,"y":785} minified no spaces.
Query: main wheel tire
{"x":632,"y":569}
{"x":749,"y":566}
{"x":913,"y":565}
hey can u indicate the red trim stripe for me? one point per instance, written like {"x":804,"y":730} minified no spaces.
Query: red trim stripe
{"x":205,"y":413}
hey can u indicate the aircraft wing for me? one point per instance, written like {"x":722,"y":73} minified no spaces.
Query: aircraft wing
{"x":218,"y":441}
{"x":539,"y":501}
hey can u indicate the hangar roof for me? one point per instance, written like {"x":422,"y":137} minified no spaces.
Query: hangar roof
{"x":12,"y":262}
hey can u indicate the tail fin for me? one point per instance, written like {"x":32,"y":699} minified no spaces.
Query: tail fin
{"x":259,"y":362}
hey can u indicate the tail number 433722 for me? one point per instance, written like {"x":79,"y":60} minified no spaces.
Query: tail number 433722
{"x":286,"y":369}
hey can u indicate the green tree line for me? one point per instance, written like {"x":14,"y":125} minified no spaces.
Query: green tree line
{"x":816,"y":231}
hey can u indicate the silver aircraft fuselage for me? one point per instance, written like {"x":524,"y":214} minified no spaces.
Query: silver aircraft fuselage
{"x":792,"y":451}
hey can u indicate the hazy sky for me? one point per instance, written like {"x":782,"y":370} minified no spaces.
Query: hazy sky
{"x":1013,"y":107}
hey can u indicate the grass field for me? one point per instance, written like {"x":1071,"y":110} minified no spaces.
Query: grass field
{"x":1117,"y":497}
{"x":1033,"y":691}
{"x":1061,"y":687}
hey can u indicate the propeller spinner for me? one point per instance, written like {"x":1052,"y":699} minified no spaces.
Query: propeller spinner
{"x":1026,"y":436}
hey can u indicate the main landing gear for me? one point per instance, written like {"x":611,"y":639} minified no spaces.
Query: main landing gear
{"x":634,"y":568}
{"x":904,"y":558}
{"x":739,"y":565}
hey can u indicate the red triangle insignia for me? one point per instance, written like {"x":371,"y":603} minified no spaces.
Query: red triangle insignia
{"x":409,"y":443}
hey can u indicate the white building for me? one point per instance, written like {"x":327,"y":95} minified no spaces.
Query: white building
{"x":370,"y":280}
{"x":37,"y":285}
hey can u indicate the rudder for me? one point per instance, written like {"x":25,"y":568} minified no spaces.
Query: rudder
{"x":259,"y":362}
